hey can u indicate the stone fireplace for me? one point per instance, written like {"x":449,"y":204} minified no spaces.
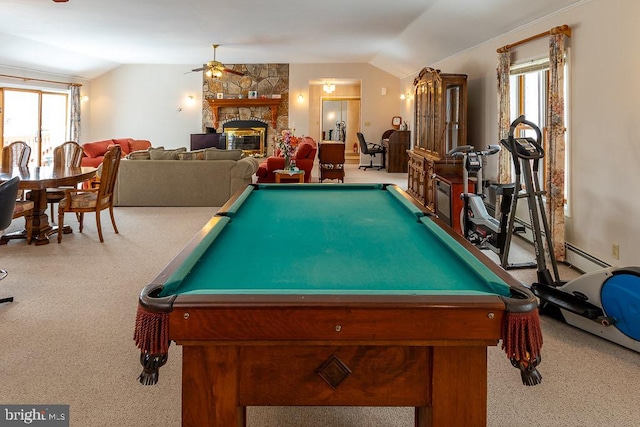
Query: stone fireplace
{"x":226,"y":99}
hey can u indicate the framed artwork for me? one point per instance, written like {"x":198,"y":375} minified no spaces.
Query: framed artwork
{"x":253,"y":94}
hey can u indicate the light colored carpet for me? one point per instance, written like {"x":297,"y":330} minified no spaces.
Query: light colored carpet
{"x":67,"y":339}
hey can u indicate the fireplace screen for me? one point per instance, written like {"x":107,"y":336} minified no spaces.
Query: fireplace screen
{"x":249,"y":140}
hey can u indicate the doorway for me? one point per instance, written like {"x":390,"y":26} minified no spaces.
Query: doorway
{"x":341,"y":122}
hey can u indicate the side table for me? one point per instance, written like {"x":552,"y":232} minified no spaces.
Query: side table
{"x":289,"y":175}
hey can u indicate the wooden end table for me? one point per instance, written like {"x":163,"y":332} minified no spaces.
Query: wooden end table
{"x":289,"y":176}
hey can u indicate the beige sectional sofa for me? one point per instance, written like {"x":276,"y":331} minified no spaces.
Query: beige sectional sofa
{"x":181,"y":182}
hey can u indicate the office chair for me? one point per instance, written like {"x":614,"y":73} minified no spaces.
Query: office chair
{"x":371,"y":149}
{"x":8,"y":195}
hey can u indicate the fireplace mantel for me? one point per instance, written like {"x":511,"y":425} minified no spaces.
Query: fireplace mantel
{"x":268,"y":102}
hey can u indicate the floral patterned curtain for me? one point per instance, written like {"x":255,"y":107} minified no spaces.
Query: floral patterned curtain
{"x":556,"y":145}
{"x":74,"y":124}
{"x":504,"y":160}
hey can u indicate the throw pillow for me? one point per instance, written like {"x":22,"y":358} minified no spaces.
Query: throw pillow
{"x":124,"y":144}
{"x":96,"y":149}
{"x":223,"y":154}
{"x":139,"y":155}
{"x":139,"y":144}
{"x":192,"y":155}
{"x":160,"y":154}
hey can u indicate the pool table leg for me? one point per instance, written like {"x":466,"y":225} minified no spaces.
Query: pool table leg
{"x":459,"y":395}
{"x":210,"y":387}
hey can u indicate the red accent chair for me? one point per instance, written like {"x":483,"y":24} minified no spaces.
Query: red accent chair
{"x":305,"y":156}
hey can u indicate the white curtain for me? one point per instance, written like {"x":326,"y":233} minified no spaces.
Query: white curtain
{"x":74,"y":125}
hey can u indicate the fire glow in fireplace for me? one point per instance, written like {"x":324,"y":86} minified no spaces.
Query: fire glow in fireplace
{"x":246,"y":135}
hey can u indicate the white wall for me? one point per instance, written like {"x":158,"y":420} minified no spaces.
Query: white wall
{"x":147,"y":102}
{"x":604,"y":120}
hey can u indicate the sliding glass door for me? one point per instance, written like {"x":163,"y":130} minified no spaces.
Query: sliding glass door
{"x":37,"y":118}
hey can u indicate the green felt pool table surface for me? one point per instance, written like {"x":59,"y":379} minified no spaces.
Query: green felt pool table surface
{"x":329,"y":239}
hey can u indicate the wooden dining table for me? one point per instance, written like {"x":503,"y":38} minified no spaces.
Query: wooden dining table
{"x":37,"y":179}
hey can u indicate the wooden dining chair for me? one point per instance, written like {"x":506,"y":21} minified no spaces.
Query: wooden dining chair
{"x":16,"y":155}
{"x":68,"y":154}
{"x":81,"y":201}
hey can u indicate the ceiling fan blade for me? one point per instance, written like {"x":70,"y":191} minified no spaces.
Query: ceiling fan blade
{"x":238,"y":73}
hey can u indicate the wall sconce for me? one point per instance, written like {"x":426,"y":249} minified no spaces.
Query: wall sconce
{"x":406,"y":95}
{"x":84,"y":98}
{"x":328,"y":87}
{"x":189,"y":100}
{"x":300,"y":98}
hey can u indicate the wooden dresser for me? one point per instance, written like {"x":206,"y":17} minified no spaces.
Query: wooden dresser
{"x":396,"y":150}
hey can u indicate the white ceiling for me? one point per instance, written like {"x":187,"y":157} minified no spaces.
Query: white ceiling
{"x":86,"y":38}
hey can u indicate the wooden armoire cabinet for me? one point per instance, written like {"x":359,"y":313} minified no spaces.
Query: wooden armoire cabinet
{"x":440,"y":125}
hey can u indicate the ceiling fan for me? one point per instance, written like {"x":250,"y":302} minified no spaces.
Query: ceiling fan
{"x":216,"y":68}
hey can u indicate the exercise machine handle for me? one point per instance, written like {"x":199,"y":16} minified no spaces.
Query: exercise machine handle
{"x":536,"y":143}
{"x":460,"y":150}
{"x":512,"y":145}
{"x":491,"y":149}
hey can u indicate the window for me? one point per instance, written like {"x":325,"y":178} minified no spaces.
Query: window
{"x":529,"y":91}
{"x":36,"y":117}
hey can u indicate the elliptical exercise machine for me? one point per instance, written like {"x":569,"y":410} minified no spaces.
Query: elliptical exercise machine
{"x":605,"y":303}
{"x":478,"y":226}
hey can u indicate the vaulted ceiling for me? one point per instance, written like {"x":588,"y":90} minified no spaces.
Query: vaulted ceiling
{"x":86,"y":38}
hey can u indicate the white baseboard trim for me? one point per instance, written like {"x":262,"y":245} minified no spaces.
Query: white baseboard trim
{"x":574,"y":256}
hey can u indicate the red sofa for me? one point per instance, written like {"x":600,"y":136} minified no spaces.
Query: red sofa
{"x":305,"y":156}
{"x":94,"y":151}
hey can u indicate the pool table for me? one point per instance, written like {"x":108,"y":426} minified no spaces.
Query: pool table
{"x":333,"y":294}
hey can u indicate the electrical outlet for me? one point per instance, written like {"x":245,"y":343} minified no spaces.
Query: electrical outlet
{"x":615,"y":251}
